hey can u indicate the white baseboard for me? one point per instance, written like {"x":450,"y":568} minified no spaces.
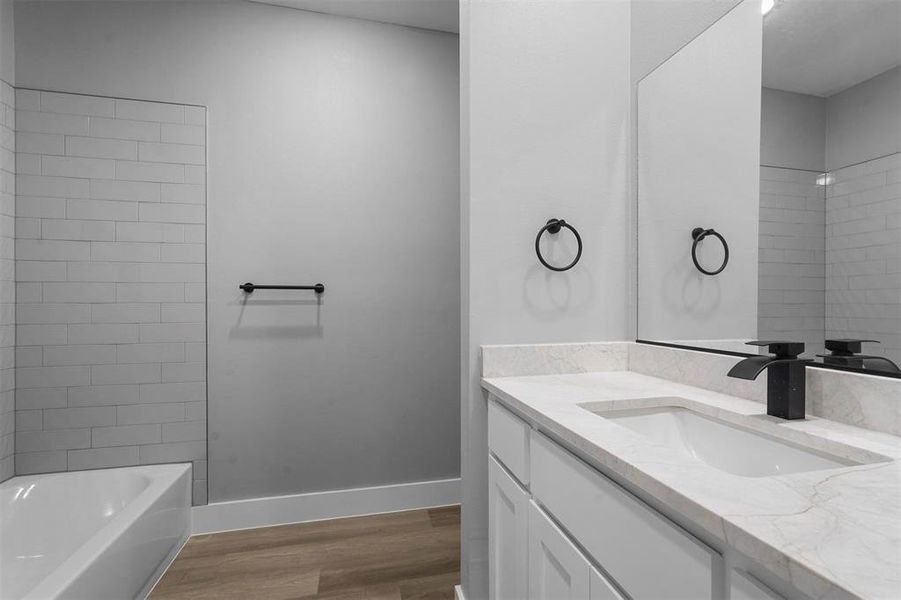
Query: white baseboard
{"x":458,"y":592}
{"x":317,"y":506}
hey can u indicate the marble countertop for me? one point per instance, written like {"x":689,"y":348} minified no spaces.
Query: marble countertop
{"x":831,"y":534}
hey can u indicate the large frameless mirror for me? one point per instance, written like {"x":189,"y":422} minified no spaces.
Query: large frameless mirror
{"x":769,"y":183}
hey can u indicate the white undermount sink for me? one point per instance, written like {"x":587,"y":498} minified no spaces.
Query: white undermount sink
{"x":722,"y":445}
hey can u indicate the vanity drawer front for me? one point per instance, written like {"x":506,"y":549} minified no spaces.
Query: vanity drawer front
{"x":508,"y":440}
{"x":647,"y":555}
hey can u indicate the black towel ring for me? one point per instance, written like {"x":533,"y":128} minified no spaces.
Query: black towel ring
{"x":553,"y":226}
{"x":698,"y":234}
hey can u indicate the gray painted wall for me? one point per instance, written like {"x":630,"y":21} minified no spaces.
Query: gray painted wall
{"x":864,"y":122}
{"x":333,"y":157}
{"x":792,"y":130}
{"x":7,"y":43}
{"x":799,"y":131}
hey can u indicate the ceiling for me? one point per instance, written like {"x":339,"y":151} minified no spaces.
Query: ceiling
{"x":821,"y":47}
{"x":440,"y":15}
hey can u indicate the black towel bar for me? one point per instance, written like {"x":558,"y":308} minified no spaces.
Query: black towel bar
{"x":250,"y":287}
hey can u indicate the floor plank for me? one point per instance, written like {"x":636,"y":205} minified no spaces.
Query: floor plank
{"x":412,"y":555}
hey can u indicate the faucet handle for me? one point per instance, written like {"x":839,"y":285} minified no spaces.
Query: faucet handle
{"x":782,"y":349}
{"x":846,"y":346}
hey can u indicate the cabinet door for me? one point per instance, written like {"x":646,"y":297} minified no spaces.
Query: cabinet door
{"x":601,"y":589}
{"x":557,"y":570}
{"x":508,"y":535}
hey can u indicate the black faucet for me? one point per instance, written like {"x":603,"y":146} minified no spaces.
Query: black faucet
{"x":846,"y":353}
{"x":785,"y":386}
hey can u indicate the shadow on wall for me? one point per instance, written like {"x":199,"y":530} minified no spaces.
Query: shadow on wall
{"x":547,"y":294}
{"x":277,"y":326}
{"x":700,"y":295}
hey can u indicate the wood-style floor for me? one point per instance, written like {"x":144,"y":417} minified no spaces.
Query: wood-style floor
{"x":397,"y":556}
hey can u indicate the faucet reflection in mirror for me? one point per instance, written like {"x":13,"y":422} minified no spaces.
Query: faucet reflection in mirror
{"x":847,"y":353}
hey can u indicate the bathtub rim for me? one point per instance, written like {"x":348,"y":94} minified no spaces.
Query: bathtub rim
{"x":162,"y":477}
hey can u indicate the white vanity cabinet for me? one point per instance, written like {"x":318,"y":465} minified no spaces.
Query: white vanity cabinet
{"x":560,"y":530}
{"x":508,"y":528}
{"x":647,"y":554}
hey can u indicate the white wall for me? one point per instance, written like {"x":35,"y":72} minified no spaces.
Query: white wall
{"x":792,"y":130}
{"x":698,"y":139}
{"x":333,"y":157}
{"x":864,"y":122}
{"x":545,"y":113}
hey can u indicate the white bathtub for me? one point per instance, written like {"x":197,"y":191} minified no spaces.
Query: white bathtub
{"x":96,"y":535}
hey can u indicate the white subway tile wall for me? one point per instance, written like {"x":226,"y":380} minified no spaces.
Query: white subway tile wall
{"x":792,"y":272}
{"x":8,"y":283}
{"x":863,"y":254}
{"x":111,"y":274}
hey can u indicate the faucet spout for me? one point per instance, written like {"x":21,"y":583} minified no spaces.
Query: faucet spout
{"x":786,"y":387}
{"x":750,"y":368}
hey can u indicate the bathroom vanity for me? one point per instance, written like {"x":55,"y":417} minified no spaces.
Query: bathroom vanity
{"x":613,"y":484}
